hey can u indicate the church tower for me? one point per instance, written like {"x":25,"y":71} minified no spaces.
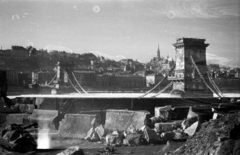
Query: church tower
{"x":158,"y":53}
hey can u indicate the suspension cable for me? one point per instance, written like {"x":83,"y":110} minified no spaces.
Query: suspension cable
{"x":79,"y":84}
{"x":73,"y":85}
{"x":214,"y":85}
{"x":52,"y":79}
{"x":202,"y":77}
{"x":165,"y":88}
{"x":158,"y":83}
{"x":152,"y":88}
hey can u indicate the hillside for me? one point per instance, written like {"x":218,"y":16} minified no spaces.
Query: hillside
{"x":43,"y":63}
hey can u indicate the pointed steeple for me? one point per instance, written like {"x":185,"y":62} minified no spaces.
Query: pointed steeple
{"x":158,"y":53}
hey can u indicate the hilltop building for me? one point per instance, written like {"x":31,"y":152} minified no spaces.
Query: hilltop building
{"x":16,"y":52}
{"x":159,"y":64}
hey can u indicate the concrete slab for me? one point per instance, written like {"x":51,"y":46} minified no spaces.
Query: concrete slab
{"x":163,"y":112}
{"x":120,"y":120}
{"x":100,"y":115}
{"x":75,"y":125}
{"x":44,"y":118}
{"x":192,"y":129}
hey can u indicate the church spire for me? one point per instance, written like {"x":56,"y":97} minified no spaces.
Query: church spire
{"x":158,"y":53}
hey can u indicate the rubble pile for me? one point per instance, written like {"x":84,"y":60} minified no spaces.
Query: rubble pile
{"x":16,"y":138}
{"x":216,"y":137}
{"x":155,"y":130}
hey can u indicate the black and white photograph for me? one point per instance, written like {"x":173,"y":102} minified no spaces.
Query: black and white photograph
{"x":109,"y":77}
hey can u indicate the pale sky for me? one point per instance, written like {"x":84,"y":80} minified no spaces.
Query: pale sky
{"x":130,"y":28}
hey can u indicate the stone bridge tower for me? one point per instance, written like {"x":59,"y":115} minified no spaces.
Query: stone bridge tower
{"x":190,"y":52}
{"x":64,"y":66}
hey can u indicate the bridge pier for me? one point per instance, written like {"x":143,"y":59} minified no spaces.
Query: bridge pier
{"x":190,"y":75}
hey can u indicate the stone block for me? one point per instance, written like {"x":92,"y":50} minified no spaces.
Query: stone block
{"x":192,"y":129}
{"x":75,"y":125}
{"x":100,"y":131}
{"x":121,"y":120}
{"x":151,"y":136}
{"x":163,"y":112}
{"x":164,"y":127}
{"x":44,"y":118}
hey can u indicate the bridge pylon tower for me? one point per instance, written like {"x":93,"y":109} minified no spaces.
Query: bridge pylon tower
{"x":190,"y":77}
{"x":65,"y":67}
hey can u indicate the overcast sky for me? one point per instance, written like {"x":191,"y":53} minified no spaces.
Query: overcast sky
{"x":131,"y":28}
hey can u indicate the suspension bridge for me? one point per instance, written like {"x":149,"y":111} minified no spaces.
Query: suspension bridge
{"x":188,"y":78}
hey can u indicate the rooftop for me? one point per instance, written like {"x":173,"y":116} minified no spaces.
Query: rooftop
{"x":19,"y":48}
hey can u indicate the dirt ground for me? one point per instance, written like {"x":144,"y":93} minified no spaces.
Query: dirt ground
{"x":91,"y":148}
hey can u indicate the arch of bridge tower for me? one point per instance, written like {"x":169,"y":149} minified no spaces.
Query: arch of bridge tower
{"x":65,"y":66}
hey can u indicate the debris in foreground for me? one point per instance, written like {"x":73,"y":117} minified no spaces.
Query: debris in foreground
{"x":16,"y":138}
{"x":217,"y":137}
{"x":74,"y":150}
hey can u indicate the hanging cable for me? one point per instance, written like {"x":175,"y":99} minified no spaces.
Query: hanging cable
{"x":152,"y":88}
{"x":158,"y":83}
{"x":214,"y":85}
{"x":74,"y":86}
{"x":72,"y":83}
{"x":165,"y":88}
{"x":202,"y":77}
{"x":79,"y":84}
{"x":52,"y":79}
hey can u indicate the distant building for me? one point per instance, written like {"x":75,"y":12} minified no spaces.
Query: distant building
{"x":121,"y":81}
{"x":24,"y":79}
{"x":213,"y":67}
{"x":34,"y":77}
{"x":85,"y":78}
{"x":138,"y":67}
{"x":158,"y":54}
{"x":143,"y":73}
{"x":38,"y":53}
{"x":231,"y":73}
{"x":54,"y":54}
{"x":237,"y":72}
{"x":12,"y":77}
{"x":131,"y":81}
{"x":16,"y":52}
{"x":5,"y":53}
{"x":106,"y":81}
{"x":159,"y":64}
{"x":237,"y":75}
{"x":126,"y":61}
{"x":73,"y":56}
{"x":166,"y":66}
{"x":19,"y":52}
{"x":153,"y":79}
